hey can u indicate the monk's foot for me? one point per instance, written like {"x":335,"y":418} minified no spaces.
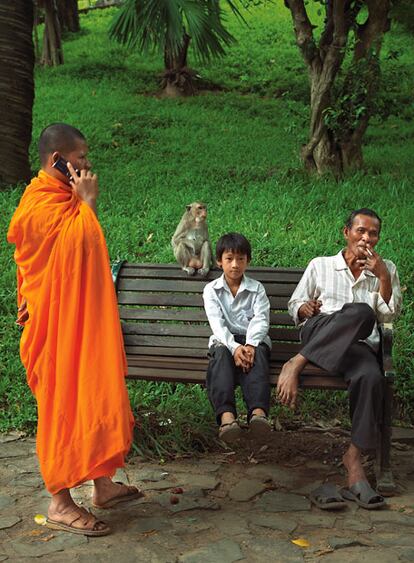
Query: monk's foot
{"x":107,"y":493}
{"x":70,"y":517}
{"x":353,"y":465}
{"x":288,"y":382}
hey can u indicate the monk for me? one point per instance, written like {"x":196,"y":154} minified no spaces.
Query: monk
{"x":71,"y":345}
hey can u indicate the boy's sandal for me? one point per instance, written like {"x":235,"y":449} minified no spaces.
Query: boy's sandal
{"x":327,"y":497}
{"x":230,"y":432}
{"x":364,"y":495}
{"x":89,"y":524}
{"x":259,"y":426}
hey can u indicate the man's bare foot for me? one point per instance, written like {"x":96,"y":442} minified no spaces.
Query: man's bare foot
{"x":106,"y":493}
{"x":288,"y":382}
{"x":63,"y":510}
{"x":353,"y":465}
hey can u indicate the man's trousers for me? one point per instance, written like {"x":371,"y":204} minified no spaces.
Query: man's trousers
{"x":223,"y":376}
{"x":332,"y":342}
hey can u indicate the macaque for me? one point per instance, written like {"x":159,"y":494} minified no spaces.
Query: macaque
{"x":191,"y":243}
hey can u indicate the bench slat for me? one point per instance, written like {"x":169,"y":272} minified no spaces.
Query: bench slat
{"x":196,"y":300}
{"x":189,"y":285}
{"x":194,"y":376}
{"x":190,"y":315}
{"x":202,"y":363}
{"x":173,"y":267}
{"x":192,"y":331}
{"x":151,"y":346}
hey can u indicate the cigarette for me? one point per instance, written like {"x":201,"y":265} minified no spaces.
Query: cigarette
{"x":369,"y":252}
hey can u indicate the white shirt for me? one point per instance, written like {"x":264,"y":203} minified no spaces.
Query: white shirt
{"x":247,"y":313}
{"x":330,"y":280}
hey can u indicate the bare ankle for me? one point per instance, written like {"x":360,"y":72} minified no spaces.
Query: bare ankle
{"x":227,"y":418}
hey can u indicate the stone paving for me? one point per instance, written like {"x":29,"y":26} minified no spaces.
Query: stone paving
{"x":213,"y":509}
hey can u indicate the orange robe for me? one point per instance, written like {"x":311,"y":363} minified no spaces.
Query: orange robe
{"x":71,"y":345}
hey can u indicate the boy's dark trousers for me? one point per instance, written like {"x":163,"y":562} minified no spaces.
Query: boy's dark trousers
{"x":223,"y":375}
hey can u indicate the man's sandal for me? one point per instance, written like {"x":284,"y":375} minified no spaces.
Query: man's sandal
{"x":90,"y":525}
{"x":327,"y":497}
{"x":131,"y":494}
{"x":259,"y":427}
{"x":364,"y":495}
{"x":230,"y":432}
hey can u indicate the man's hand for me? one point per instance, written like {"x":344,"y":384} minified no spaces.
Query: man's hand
{"x":85,"y":186}
{"x":309,"y":309}
{"x":374,"y":263}
{"x":242,"y":358}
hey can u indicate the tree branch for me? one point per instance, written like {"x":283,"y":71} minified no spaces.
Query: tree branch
{"x":304,"y":32}
{"x":370,"y":34}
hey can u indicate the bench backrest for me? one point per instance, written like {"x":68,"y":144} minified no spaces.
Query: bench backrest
{"x":161,"y":310}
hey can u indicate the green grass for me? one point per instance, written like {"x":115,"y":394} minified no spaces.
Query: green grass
{"x":236,"y":148}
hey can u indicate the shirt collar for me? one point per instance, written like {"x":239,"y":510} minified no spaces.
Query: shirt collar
{"x":340,"y":264}
{"x":246,"y":284}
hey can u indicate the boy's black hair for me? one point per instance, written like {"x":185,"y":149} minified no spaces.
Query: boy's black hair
{"x":233,"y":242}
{"x":363,"y":211}
{"x":58,"y":137}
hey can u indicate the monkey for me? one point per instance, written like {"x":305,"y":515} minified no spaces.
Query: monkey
{"x":191,"y":243}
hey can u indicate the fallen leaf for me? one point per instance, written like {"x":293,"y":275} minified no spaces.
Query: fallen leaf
{"x":301,"y":542}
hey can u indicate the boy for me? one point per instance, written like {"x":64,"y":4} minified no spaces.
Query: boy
{"x":237,"y":309}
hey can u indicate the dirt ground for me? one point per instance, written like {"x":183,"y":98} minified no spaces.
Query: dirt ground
{"x":247,"y":504}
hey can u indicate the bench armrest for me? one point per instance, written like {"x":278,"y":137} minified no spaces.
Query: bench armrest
{"x":115,"y":269}
{"x":386,"y":334}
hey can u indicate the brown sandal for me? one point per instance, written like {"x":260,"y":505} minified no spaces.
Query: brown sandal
{"x":230,"y":432}
{"x":133,"y":493}
{"x":84,"y":531}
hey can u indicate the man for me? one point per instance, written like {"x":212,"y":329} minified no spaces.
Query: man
{"x":337,"y":303}
{"x":71,"y":344}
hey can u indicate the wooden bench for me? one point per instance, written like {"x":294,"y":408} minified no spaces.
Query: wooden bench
{"x":166,"y":334}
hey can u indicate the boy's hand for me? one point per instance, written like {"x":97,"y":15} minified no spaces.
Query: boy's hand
{"x":242,"y":358}
{"x":251,"y":350}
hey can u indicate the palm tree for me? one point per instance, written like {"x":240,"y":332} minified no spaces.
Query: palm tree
{"x":16,"y":89}
{"x":168,"y":26}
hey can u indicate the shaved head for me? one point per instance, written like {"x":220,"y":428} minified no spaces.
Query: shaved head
{"x":58,"y":137}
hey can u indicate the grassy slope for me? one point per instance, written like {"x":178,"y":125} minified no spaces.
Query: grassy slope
{"x":235,"y":148}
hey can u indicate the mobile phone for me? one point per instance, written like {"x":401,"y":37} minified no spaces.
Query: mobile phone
{"x":62,"y":165}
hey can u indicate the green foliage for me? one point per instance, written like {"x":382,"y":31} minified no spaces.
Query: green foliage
{"x":156,"y":25}
{"x":235,"y":148}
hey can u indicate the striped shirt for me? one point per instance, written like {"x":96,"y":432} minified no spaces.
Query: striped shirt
{"x":329,"y":280}
{"x":245,"y":314}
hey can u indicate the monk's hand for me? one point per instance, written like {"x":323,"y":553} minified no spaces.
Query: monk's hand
{"x":22,"y":314}
{"x":85,"y":185}
{"x":309,"y":309}
{"x":242,"y":358}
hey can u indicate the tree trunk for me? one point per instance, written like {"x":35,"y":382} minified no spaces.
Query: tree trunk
{"x":68,"y":15}
{"x":52,"y":54}
{"x":178,"y":78}
{"x":16,"y":89}
{"x":338,"y":123}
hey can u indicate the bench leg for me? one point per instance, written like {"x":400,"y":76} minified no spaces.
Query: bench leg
{"x":385,"y":479}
